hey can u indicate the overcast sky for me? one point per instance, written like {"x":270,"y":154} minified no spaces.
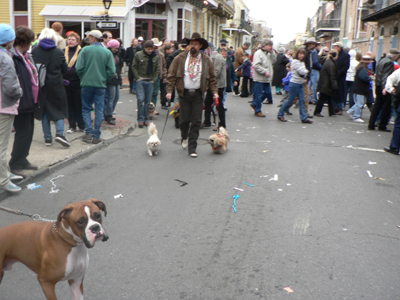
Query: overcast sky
{"x":285,"y":17}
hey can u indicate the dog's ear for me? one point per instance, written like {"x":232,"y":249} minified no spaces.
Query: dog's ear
{"x":100,"y":204}
{"x":66,"y":211}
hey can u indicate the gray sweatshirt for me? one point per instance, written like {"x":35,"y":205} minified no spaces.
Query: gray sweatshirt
{"x":299,"y":71}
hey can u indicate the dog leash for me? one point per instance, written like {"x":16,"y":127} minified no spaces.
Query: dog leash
{"x":35,"y":217}
{"x":165,"y":124}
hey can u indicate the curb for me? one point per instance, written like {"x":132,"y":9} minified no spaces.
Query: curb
{"x":64,"y":163}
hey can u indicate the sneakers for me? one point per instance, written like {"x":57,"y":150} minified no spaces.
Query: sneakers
{"x":48,"y":142}
{"x":259,"y":114}
{"x":71,"y":130}
{"x":62,"y":140}
{"x":358,"y":120}
{"x":12,"y":188}
{"x":16,"y":177}
{"x":87,"y":138}
{"x":193,"y":154}
{"x":184,"y":143}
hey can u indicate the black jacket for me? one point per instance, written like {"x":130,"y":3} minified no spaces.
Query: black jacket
{"x":327,"y":83}
{"x":280,"y":69}
{"x":342,"y":64}
{"x":384,"y":69}
{"x":361,"y":81}
{"x":71,"y":75}
{"x":52,"y":95}
{"x":117,"y":79}
{"x":129,"y":55}
{"x":27,"y":101}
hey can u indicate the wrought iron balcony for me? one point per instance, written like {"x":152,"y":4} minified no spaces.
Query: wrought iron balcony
{"x":328,"y":25}
{"x":380,"y":9}
{"x":240,"y":25}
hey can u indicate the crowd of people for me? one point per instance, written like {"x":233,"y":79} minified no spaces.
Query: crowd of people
{"x":52,"y":78}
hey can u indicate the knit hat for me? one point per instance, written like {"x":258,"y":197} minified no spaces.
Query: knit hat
{"x":149,"y":44}
{"x":7,"y":34}
{"x":113,"y":44}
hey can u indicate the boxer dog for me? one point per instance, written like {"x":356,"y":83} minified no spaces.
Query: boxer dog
{"x":58,"y":250}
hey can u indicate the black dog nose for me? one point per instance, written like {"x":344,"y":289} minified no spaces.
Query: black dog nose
{"x":95,"y":228}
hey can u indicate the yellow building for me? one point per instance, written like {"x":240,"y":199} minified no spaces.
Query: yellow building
{"x":128,"y":18}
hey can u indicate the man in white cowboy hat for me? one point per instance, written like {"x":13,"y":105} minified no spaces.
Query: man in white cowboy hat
{"x":342,"y":65}
{"x":315,"y":67}
{"x":383,"y":101}
{"x":192,"y":73}
{"x":161,"y":82}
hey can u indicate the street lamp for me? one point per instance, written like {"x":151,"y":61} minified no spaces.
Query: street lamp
{"x":107,"y":5}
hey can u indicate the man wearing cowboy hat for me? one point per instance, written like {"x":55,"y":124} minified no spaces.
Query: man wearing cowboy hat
{"x":192,"y":73}
{"x":315,"y":67}
{"x":383,"y":101}
{"x":342,"y":65}
{"x":162,"y":79}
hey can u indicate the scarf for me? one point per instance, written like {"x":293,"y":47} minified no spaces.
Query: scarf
{"x":194,"y":67}
{"x":150,"y":62}
{"x":74,"y":58}
{"x":47,"y":44}
{"x":31,"y":68}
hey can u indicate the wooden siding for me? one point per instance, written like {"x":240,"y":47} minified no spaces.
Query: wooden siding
{"x":38,"y":22}
{"x":5,"y":12}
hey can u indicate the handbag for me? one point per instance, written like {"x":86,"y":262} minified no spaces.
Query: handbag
{"x":42,"y":72}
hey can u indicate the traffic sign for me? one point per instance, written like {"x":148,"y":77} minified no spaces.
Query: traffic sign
{"x":100,"y":18}
{"x":107,"y":25}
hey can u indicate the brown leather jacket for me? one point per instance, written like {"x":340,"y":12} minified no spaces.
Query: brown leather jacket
{"x":176,"y":74}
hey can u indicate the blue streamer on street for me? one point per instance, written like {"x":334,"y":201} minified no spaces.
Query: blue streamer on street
{"x":234,"y":202}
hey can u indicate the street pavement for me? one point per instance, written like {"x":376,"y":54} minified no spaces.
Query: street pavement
{"x":318,"y":211}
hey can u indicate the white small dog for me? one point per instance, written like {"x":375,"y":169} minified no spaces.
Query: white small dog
{"x":219,"y":141}
{"x":153,"y":143}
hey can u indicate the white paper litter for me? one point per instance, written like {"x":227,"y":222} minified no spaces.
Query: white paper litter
{"x":372,"y":163}
{"x":369,"y":174}
{"x":275,"y":178}
{"x":118,"y":196}
{"x":235,"y":188}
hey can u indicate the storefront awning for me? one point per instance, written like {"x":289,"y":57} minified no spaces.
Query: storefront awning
{"x":82,"y":11}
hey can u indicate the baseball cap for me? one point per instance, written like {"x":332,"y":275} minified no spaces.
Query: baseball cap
{"x":95,"y":33}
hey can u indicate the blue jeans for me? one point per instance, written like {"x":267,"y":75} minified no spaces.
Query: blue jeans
{"x":156,"y":89}
{"x":47,"y":129}
{"x":295,"y":89}
{"x":349,"y":90}
{"x":111,"y":99}
{"x":261,"y":91}
{"x":314,"y":77}
{"x":356,"y":109}
{"x":395,"y":142}
{"x":92,"y":95}
{"x":144,"y":93}
{"x":133,"y":86}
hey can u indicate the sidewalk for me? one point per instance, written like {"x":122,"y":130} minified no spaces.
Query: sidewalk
{"x":49,"y":157}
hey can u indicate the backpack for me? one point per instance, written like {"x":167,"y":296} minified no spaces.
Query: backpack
{"x":42,"y":71}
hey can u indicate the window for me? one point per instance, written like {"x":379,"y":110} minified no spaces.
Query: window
{"x":20,"y":11}
{"x":149,"y":29}
{"x":151,"y":9}
{"x":184,"y":24}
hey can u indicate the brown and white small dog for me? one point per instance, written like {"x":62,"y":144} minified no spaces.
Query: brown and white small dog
{"x":153,"y":143}
{"x":152,"y":111}
{"x":219,"y":141}
{"x":57,"y":250}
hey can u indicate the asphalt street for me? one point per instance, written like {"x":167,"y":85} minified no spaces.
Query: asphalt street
{"x":318,"y":213}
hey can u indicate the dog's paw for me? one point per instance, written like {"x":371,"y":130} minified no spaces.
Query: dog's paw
{"x":150,"y":152}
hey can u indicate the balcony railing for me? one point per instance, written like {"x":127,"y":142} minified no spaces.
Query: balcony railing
{"x":241,"y":25}
{"x":331,"y":24}
{"x":381,"y":4}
